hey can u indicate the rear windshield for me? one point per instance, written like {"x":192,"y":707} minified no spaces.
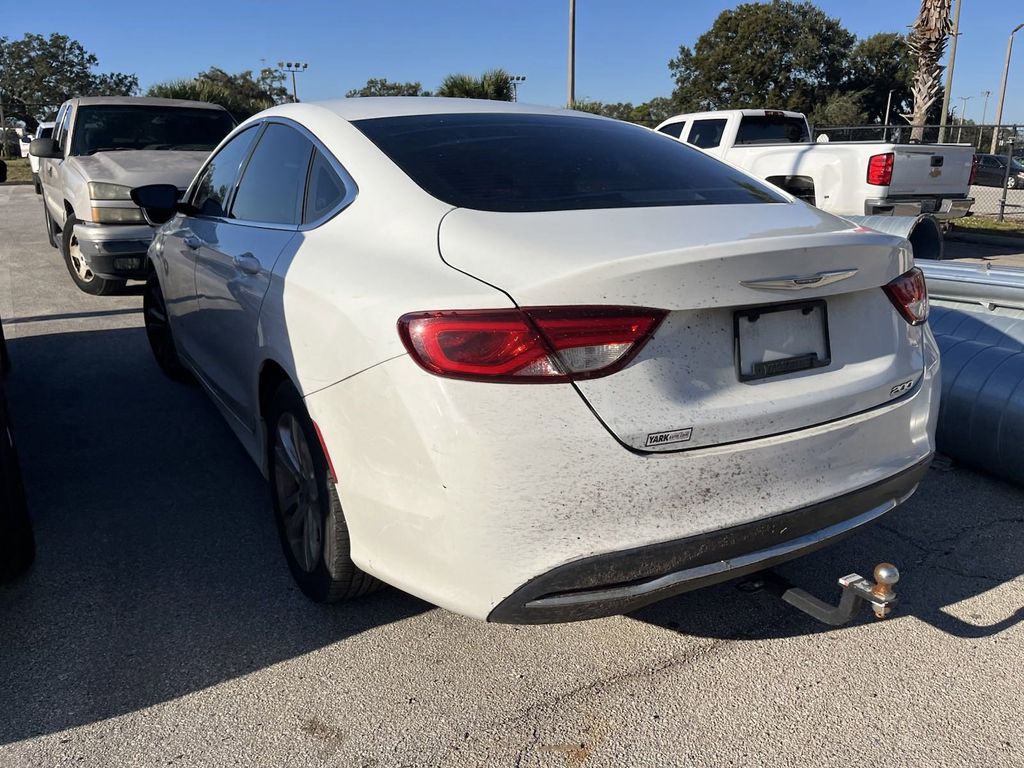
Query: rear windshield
{"x":524,"y":162}
{"x":103,"y":128}
{"x":772,"y":130}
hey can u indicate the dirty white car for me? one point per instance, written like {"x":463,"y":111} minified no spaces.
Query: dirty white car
{"x":533,"y":365}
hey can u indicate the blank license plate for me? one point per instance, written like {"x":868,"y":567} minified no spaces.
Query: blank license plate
{"x":772,"y":341}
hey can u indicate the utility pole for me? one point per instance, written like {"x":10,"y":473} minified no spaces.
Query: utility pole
{"x":1002,"y":89}
{"x":572,"y":53}
{"x":949,"y":73}
{"x":885,"y":123}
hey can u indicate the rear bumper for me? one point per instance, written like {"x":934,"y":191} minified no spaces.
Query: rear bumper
{"x":620,"y":582}
{"x":941,"y":208}
{"x":483,"y":498}
{"x":115,"y":251}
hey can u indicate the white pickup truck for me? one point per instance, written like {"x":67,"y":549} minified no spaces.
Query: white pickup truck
{"x":101,"y":148}
{"x":851,"y":178}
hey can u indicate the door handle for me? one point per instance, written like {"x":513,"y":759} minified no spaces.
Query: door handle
{"x":192,"y":241}
{"x":247,"y":263}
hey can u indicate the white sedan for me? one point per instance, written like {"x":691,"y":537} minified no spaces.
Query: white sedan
{"x":533,"y":365}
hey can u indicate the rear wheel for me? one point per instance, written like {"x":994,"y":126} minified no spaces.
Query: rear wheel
{"x":158,"y":331}
{"x":78,"y":267}
{"x":1012,"y":182}
{"x":310,"y":520}
{"x":36,"y":184}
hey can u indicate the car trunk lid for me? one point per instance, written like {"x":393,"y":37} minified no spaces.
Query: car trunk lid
{"x":814,"y":286}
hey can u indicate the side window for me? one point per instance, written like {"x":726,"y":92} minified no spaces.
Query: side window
{"x":273,"y":181}
{"x":675,"y":130}
{"x":60,"y":126}
{"x":325,"y":190}
{"x":211,"y":193}
{"x":707,"y":133}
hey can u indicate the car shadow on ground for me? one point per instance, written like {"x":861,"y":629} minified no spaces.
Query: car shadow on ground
{"x":159,"y":571}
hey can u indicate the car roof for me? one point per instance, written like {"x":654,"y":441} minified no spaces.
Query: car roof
{"x":144,"y":101}
{"x":367,"y":107}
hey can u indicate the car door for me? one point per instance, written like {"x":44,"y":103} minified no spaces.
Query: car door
{"x":210,"y":196}
{"x":235,"y":259}
{"x":49,"y":168}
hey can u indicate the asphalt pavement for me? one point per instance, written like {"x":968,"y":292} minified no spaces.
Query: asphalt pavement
{"x":160,"y":626}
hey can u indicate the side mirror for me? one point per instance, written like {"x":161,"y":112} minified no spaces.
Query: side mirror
{"x":158,"y":202}
{"x":45,"y":148}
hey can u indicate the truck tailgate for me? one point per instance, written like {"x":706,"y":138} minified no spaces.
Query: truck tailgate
{"x":920,"y":169}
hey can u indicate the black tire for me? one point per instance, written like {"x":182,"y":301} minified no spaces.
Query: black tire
{"x":17,"y":543}
{"x":158,"y":331}
{"x":36,"y":184}
{"x":48,"y":223}
{"x":87,"y":281}
{"x":1011,"y":183}
{"x":328,"y":573}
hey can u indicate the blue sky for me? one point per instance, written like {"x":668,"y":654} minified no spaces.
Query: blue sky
{"x":622,"y":47}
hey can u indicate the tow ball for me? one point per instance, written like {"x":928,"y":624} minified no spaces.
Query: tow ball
{"x":856,"y":592}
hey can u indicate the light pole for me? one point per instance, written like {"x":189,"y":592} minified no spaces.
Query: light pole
{"x":949,"y":73}
{"x":963,"y":114}
{"x":515,"y":80}
{"x":293,"y":67}
{"x":984,"y":112}
{"x":572,"y":53}
{"x":1002,"y":89}
{"x":885,"y":123}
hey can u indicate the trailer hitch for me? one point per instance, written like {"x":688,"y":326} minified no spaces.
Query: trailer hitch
{"x":856,"y":591}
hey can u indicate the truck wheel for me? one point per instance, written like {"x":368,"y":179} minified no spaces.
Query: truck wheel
{"x":79,"y":270}
{"x":48,"y":223}
{"x":158,"y":331}
{"x":36,"y":184}
{"x":310,"y":520}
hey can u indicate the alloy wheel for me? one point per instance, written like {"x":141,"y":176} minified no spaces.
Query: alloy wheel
{"x":298,"y":494}
{"x":81,"y":268}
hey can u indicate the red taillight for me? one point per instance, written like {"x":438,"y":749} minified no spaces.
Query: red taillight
{"x":909,"y":294}
{"x":529,"y":345}
{"x":974,"y":170}
{"x":880,"y":169}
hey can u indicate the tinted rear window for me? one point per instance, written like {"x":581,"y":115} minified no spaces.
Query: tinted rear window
{"x":772,"y":130}
{"x":523,"y":162}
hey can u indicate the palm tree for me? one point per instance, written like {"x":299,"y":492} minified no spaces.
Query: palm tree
{"x":927,"y":41}
{"x":495,"y":84}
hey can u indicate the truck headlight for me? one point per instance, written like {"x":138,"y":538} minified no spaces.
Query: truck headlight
{"x":99,"y":190}
{"x":118,"y":216}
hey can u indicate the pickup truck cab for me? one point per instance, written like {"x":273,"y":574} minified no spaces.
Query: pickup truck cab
{"x":101,"y":148}
{"x":851,"y":178}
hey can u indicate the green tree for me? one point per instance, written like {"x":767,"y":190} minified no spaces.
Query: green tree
{"x":381,"y":87}
{"x":840,"y":109}
{"x":648,"y":114}
{"x":242,"y":95}
{"x":782,"y":54}
{"x":38,"y":74}
{"x":878,"y":64}
{"x":495,"y":84}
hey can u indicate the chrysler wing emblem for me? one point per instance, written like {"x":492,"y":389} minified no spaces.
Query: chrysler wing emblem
{"x":801,"y":281}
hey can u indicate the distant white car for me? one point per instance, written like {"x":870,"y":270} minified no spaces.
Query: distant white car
{"x":43,"y":131}
{"x":533,"y":365}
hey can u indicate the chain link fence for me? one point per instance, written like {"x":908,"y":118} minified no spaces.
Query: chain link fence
{"x":990,"y":176}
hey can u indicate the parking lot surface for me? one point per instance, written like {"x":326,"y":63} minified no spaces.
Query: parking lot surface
{"x":160,"y":626}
